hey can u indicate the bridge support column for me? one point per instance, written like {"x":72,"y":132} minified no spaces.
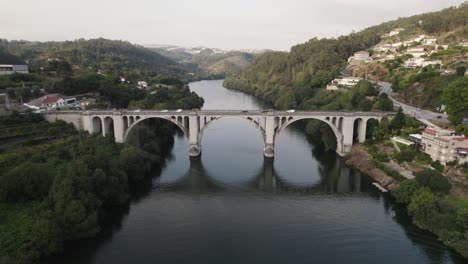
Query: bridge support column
{"x":119,"y":129}
{"x":87,"y":123}
{"x":103,"y":127}
{"x":362,"y":131}
{"x":347,"y":130}
{"x":194,"y":129}
{"x":269,"y":148}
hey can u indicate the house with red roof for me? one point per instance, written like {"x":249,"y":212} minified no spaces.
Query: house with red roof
{"x":444,"y":145}
{"x":51,"y":102}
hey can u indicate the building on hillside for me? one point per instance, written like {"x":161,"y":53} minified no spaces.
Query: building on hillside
{"x":413,"y":63}
{"x":428,"y":40}
{"x":11,"y":68}
{"x":384,"y":48}
{"x":51,"y":102}
{"x":416,"y":139}
{"x":346,"y":81}
{"x":464,"y":43}
{"x":416,"y":52}
{"x":462,"y":154}
{"x":359,"y":57}
{"x":420,"y":62}
{"x":442,"y":145}
{"x":394,"y":32}
{"x":142,"y":85}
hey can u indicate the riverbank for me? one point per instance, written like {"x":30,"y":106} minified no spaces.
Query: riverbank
{"x":362,"y":160}
{"x":444,"y":216}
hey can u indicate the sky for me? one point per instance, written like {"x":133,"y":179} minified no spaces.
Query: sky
{"x":225,"y":24}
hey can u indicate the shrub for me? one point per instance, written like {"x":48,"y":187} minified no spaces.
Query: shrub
{"x":434,"y":180}
{"x":406,"y":189}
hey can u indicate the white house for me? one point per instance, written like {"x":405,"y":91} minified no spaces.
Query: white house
{"x":52,"y":102}
{"x":384,"y":48}
{"x":428,"y":40}
{"x":359,"y":57}
{"x":420,"y":62}
{"x":346,"y":81}
{"x":142,"y":85}
{"x":416,"y":52}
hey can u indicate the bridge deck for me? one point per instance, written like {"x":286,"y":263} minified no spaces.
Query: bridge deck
{"x":223,"y":113}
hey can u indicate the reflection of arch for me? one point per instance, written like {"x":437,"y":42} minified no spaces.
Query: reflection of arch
{"x":127,"y":132}
{"x":196,"y":180}
{"x":97,"y":125}
{"x":212,"y":119}
{"x":335,"y":177}
{"x":336,"y":131}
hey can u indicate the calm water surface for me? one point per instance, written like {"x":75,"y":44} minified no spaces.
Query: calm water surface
{"x":232,"y":206}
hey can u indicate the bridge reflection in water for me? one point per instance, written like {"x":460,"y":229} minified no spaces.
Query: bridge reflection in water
{"x":334,"y":178}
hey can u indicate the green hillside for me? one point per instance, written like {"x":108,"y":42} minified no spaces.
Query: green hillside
{"x":113,"y":56}
{"x":296,"y":79}
{"x":207,"y":62}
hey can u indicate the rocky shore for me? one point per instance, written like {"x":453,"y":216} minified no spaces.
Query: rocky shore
{"x":362,"y":160}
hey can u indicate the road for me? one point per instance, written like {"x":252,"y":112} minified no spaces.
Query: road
{"x":420,"y":114}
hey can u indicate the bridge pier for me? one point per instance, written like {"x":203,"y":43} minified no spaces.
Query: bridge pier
{"x":194,"y":141}
{"x":269,"y":148}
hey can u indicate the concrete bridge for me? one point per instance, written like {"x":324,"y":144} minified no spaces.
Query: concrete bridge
{"x":193,"y":123}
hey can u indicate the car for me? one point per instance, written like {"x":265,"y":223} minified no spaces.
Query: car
{"x":291,"y":111}
{"x":138,"y":110}
{"x":179,"y":110}
{"x":244,"y":111}
{"x":164,"y":110}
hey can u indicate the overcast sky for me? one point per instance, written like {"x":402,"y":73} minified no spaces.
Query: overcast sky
{"x":226,"y":24}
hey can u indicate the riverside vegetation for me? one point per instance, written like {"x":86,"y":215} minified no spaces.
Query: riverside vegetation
{"x":58,"y":185}
{"x":296,"y":79}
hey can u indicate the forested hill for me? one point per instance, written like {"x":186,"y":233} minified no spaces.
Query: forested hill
{"x":8,"y":58}
{"x":207,"y":62}
{"x":118,"y":57}
{"x":296,"y":78}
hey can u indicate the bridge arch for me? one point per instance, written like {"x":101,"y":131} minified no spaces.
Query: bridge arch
{"x":96,"y":125}
{"x":173,"y":120}
{"x":336,"y":131}
{"x":108,"y":126}
{"x":210,"y":120}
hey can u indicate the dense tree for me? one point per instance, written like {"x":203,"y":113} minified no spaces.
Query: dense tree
{"x":406,"y":189}
{"x":422,"y":206}
{"x":434,"y":180}
{"x":456,"y":99}
{"x":398,"y":121}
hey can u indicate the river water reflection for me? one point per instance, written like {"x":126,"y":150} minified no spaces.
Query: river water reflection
{"x":232,"y":206}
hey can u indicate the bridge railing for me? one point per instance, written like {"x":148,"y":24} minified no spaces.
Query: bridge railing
{"x":221,"y":112}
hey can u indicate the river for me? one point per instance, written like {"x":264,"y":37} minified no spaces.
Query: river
{"x":232,"y":206}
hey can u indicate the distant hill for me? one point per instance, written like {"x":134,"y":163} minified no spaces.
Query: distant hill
{"x":118,"y":57}
{"x":211,"y":61}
